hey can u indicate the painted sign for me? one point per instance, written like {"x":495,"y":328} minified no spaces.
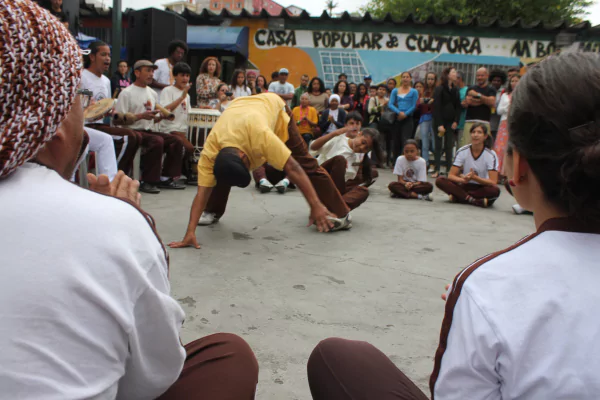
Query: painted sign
{"x":403,"y":42}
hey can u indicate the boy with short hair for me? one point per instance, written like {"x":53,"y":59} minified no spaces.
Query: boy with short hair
{"x":176,"y":99}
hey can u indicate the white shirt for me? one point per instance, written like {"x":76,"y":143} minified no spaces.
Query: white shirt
{"x":84,"y":297}
{"x":279,"y":88}
{"x":241,"y":91}
{"x":99,"y":85}
{"x":525,"y":323}
{"x":333,"y":114}
{"x":179,"y":124}
{"x":338,"y":146}
{"x":163,"y":74}
{"x":487,"y":161}
{"x":134,"y":99}
{"x":503,"y":106}
{"x":411,"y":171}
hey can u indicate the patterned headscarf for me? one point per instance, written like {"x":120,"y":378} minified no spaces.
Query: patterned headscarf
{"x":40,"y":69}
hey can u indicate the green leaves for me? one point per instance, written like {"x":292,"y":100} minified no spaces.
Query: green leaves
{"x":506,"y":10}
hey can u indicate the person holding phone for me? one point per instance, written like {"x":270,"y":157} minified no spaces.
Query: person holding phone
{"x":481,"y":98}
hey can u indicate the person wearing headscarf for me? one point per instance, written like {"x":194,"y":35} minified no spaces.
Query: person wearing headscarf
{"x":84,"y":295}
{"x":254,"y":130}
{"x":334,"y":117}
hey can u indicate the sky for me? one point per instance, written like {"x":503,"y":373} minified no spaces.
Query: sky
{"x":315,"y":7}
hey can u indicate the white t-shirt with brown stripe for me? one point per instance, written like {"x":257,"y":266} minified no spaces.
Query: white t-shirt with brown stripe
{"x":524,"y":323}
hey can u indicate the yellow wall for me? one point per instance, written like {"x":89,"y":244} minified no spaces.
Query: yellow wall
{"x":297,"y":61}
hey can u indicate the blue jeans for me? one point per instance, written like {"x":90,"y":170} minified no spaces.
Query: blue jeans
{"x":427,"y":139}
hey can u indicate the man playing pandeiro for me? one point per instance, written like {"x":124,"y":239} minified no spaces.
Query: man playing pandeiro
{"x":254,"y":130}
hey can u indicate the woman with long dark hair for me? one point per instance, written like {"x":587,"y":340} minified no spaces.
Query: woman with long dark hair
{"x":361,"y":100}
{"x":261,"y":84}
{"x":446,"y":116}
{"x":317,"y":97}
{"x":519,"y":322}
{"x":238,"y":85}
{"x":342,"y":89}
{"x":391,"y":85}
{"x":425,"y":109}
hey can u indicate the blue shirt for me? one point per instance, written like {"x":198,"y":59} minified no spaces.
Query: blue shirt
{"x":406,"y":104}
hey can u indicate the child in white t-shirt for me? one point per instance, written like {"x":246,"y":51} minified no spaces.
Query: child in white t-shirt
{"x":176,"y":99}
{"x":412,"y":175}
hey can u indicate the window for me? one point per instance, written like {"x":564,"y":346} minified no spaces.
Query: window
{"x":348,"y":62}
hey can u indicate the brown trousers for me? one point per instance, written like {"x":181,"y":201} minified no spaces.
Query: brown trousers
{"x":153,"y":165}
{"x":319,"y":178}
{"x":460,"y":191}
{"x":187,"y":145}
{"x":398,"y":189}
{"x":217,"y":367}
{"x":134,"y":141}
{"x":353,"y":195}
{"x":340,"y":369}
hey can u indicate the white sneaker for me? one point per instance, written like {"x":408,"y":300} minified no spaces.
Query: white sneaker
{"x":265,"y":186}
{"x":517,"y":209}
{"x":282,"y":185}
{"x":427,"y":197}
{"x":208,"y":218}
{"x":341,"y":224}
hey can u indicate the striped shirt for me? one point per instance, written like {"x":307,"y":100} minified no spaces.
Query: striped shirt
{"x":466,"y":161}
{"x":522,"y":323}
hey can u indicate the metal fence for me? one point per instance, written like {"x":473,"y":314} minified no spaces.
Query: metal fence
{"x":469,"y":70}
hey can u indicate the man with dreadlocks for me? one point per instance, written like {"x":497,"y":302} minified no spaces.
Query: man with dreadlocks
{"x":84,"y":294}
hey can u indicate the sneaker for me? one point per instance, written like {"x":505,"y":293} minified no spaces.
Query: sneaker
{"x":427,"y":197}
{"x":265,"y":186}
{"x":171,"y":184}
{"x":341,"y":224}
{"x":208,"y":218}
{"x":282,"y":185}
{"x":146,"y":187}
{"x":517,"y":209}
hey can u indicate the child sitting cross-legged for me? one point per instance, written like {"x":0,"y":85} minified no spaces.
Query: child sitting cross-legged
{"x":412,"y":175}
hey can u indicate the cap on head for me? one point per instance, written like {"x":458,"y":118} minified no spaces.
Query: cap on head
{"x":230,"y":170}
{"x":367,"y":77}
{"x":144,"y":63}
{"x":41,"y":69}
{"x":284,"y":71}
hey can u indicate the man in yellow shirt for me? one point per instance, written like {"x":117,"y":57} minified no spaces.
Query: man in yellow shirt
{"x":306,"y":118}
{"x":254,"y":130}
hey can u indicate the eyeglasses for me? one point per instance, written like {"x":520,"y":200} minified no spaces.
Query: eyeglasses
{"x":86,"y":97}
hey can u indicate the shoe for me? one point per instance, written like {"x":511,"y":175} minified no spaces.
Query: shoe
{"x":427,"y":197}
{"x":282,"y":185}
{"x":452,"y":199}
{"x":341,"y":224}
{"x":192,"y":180}
{"x":265,"y":186}
{"x":171,"y":184}
{"x":483,"y":203}
{"x":517,"y":209}
{"x":208,"y":218}
{"x":146,"y":187}
{"x":394,"y":195}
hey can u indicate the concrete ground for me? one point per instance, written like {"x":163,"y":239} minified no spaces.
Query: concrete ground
{"x":283,"y":287}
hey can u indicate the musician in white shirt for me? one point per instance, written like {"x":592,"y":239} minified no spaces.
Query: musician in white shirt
{"x":163,"y":76}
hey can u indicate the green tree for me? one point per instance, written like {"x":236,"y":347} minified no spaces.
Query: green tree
{"x":506,"y":10}
{"x":330,"y":5}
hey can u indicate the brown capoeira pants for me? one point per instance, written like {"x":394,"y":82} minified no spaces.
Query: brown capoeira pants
{"x":155,"y":144}
{"x":398,"y":189}
{"x":340,"y":369}
{"x":360,"y":178}
{"x":353,"y":195}
{"x":319,"y":178}
{"x":217,"y":367}
{"x":125,"y":148}
{"x":460,"y":191}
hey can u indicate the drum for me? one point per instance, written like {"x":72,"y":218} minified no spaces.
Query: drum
{"x":98,"y":110}
{"x":200,"y":122}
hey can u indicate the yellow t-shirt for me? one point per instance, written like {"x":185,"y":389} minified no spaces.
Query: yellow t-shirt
{"x":312,"y":116}
{"x":256,"y":125}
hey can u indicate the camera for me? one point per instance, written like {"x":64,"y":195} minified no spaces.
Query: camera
{"x":228,"y":94}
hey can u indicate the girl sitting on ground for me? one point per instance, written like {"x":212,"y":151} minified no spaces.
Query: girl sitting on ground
{"x":412,"y":175}
{"x":473,"y":177}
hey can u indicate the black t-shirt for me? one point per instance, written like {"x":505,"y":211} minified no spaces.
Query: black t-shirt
{"x":481,"y":112}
